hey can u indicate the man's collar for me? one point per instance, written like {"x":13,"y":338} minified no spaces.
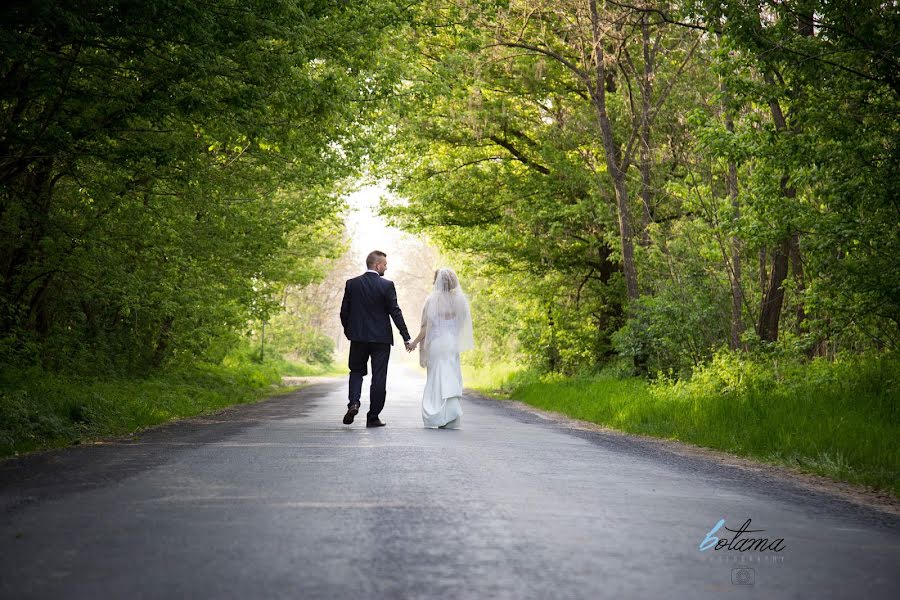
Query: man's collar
{"x":372,"y":271}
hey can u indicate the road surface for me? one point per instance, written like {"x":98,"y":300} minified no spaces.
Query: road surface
{"x":280,"y":500}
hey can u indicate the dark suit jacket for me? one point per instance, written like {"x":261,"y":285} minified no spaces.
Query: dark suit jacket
{"x":370,"y":302}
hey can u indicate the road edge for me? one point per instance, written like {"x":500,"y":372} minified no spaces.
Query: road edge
{"x":857,"y":495}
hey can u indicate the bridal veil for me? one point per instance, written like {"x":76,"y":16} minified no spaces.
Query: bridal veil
{"x":447,"y":318}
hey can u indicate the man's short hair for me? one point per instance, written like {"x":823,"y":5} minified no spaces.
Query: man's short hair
{"x":375,"y":257}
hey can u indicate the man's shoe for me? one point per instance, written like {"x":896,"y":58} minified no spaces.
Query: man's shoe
{"x":351,"y":412}
{"x":376,"y":422}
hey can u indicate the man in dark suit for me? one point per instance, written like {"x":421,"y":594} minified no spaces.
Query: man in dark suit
{"x":370,"y":302}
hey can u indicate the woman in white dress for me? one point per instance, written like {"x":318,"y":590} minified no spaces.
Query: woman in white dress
{"x":446,"y":331}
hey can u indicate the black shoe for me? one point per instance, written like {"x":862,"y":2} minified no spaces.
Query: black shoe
{"x":351,"y":412}
{"x":376,"y":422}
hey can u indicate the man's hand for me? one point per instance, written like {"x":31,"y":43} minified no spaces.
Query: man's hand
{"x":410,"y":346}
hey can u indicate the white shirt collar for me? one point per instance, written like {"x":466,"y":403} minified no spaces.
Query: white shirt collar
{"x":373,"y":271}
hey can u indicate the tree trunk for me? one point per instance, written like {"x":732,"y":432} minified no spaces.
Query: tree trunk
{"x":28,"y":253}
{"x":613,"y":159}
{"x":646,"y":94}
{"x":553,"y":358}
{"x":805,"y":28}
{"x":805,"y":24}
{"x":799,"y":283}
{"x":737,"y":292}
{"x":38,"y":308}
{"x":627,"y":236}
{"x":731,"y":183}
{"x":770,"y":311}
{"x":773,"y":298}
{"x":163,"y":338}
{"x":763,"y":271}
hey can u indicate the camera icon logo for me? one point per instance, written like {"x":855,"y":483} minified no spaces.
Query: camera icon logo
{"x":743,"y":576}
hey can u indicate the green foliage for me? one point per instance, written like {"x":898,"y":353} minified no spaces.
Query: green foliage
{"x":499,"y":181}
{"x":674,"y":330}
{"x":247,"y":352}
{"x":294,"y":333}
{"x":495,"y":146}
{"x":165,"y":168}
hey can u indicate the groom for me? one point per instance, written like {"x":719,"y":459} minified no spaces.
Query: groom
{"x":369,"y":304}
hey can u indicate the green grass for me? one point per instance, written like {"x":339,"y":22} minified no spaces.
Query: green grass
{"x":291,"y":369}
{"x":41,"y":410}
{"x":496,"y":378}
{"x":841,"y":419}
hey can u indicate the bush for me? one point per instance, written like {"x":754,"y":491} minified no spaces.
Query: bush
{"x":667,"y":335}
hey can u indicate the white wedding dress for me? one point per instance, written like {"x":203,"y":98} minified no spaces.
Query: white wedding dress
{"x":443,"y":384}
{"x":447,"y":329}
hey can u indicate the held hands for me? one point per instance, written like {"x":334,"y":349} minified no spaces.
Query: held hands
{"x":410,"y":345}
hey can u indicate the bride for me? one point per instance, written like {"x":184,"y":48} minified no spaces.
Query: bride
{"x":446,"y":331}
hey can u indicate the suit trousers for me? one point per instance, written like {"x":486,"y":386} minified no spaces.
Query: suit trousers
{"x":360,"y":353}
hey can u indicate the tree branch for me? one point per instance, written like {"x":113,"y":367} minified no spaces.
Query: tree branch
{"x":546,"y":52}
{"x":519,"y":156}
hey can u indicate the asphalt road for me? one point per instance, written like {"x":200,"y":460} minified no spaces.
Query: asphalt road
{"x":280,"y":500}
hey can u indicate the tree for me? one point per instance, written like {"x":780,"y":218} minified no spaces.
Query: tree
{"x":513,"y":134}
{"x":162,"y":165}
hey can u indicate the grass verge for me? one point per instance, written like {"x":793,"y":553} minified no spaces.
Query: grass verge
{"x":838,"y":419}
{"x":495,"y":379}
{"x":40,"y":410}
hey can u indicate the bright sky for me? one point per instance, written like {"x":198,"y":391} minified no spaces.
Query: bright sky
{"x":368,"y":231}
